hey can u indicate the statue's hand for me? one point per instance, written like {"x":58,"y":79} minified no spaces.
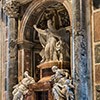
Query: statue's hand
{"x":34,"y":26}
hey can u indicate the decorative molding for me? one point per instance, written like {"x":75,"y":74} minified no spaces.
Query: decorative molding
{"x":24,"y":1}
{"x":96,"y":26}
{"x":11,"y":8}
{"x":25,"y":44}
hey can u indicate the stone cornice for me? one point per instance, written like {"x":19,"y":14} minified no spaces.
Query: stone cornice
{"x":25,"y":44}
{"x":11,"y":8}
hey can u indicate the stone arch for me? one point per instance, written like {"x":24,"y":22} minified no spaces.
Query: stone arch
{"x":25,"y":44}
{"x":37,"y":3}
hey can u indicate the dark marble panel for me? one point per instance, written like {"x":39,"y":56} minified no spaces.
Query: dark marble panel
{"x":97,"y":53}
{"x":27,"y":60}
{"x":37,"y":59}
{"x":97,"y":73}
{"x":98,"y":92}
{"x":96,"y":4}
{"x":28,"y":33}
{"x":96,"y":26}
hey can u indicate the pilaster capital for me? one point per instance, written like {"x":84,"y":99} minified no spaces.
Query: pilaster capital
{"x":11,"y":8}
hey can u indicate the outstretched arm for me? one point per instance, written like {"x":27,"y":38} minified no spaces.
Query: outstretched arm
{"x":40,"y":31}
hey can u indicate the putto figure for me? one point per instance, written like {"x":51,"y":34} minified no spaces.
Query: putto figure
{"x":62,"y":87}
{"x":22,"y":88}
{"x":54,"y":42}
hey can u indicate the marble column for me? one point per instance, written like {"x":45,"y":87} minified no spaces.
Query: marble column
{"x":81,"y":71}
{"x":11,"y":9}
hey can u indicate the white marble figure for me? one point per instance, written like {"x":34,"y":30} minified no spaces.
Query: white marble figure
{"x":48,"y":42}
{"x":22,"y":88}
{"x":54,"y":42}
{"x":62,"y":87}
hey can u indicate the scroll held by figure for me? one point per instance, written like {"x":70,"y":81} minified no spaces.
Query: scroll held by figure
{"x":62,"y":84}
{"x":55,"y":43}
{"x":21,"y":88}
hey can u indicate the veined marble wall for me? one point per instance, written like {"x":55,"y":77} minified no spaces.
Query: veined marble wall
{"x":3,"y":54}
{"x":96,"y":47}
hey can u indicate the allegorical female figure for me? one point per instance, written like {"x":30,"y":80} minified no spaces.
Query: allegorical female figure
{"x":62,"y":87}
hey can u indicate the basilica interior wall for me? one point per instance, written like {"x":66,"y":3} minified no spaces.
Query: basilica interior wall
{"x":26,"y":56}
{"x":95,"y":48}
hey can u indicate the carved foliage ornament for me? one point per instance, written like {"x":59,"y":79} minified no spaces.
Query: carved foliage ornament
{"x":11,"y":8}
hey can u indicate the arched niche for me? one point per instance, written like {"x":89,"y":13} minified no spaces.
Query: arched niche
{"x":39,"y":4}
{"x":35,"y":15}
